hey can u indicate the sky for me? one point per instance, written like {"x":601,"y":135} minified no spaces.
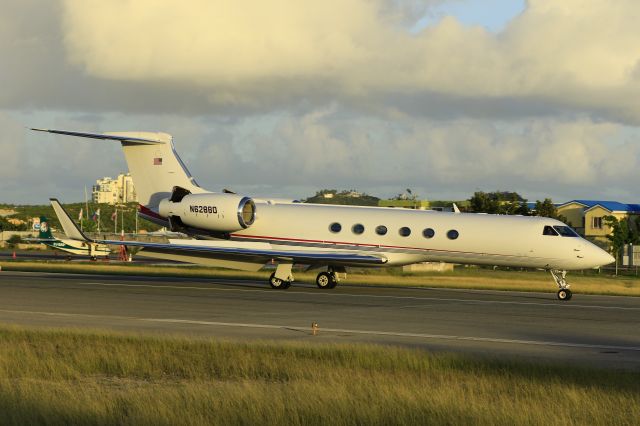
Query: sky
{"x":282,"y":98}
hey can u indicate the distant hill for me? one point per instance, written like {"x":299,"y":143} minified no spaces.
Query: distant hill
{"x":348,"y":198}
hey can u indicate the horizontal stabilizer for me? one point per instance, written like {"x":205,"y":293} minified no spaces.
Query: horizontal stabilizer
{"x":154,"y":165}
{"x":136,"y":137}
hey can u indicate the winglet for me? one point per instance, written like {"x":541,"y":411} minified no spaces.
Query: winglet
{"x":455,"y":208}
{"x":70,"y":228}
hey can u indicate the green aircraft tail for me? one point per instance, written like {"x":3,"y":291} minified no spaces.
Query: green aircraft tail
{"x":45,"y":231}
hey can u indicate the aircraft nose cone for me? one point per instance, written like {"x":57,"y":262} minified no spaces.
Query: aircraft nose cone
{"x":600,"y":257}
{"x":607,"y":258}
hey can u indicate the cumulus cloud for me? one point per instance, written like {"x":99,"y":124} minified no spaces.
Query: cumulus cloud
{"x":34,"y":168}
{"x":291,"y":155}
{"x":12,"y":153}
{"x":339,"y":93}
{"x":562,"y":159}
{"x":582,"y":55}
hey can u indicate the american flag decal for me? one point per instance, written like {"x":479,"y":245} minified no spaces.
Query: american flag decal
{"x":157,"y":161}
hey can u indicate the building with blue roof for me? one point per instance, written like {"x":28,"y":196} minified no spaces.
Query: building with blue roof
{"x":587,"y":216}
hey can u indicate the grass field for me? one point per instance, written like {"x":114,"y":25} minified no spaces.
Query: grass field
{"x":469,"y":278}
{"x":69,"y":377}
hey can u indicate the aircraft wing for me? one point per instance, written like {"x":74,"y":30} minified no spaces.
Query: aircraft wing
{"x":39,"y":240}
{"x":229,"y":251}
{"x":244,"y":252}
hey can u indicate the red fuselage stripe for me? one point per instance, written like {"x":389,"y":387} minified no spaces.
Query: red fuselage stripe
{"x":363,"y":245}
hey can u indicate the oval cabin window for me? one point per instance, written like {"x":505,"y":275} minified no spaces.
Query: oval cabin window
{"x":358,"y":228}
{"x":335,"y":227}
{"x":404,"y":231}
{"x":428,"y":233}
{"x":453,"y":234}
{"x":381,"y":230}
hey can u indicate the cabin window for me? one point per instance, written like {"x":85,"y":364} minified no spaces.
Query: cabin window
{"x":358,"y":228}
{"x":453,"y":234}
{"x":404,"y":231}
{"x":335,"y":227}
{"x":428,"y":233}
{"x":565,"y":231}
{"x":548,"y":230}
{"x":381,"y":230}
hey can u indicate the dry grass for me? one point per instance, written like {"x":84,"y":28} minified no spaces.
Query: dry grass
{"x":467,"y":278}
{"x":65,"y":377}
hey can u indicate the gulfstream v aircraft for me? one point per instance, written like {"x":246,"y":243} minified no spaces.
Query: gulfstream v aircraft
{"x":237,"y":231}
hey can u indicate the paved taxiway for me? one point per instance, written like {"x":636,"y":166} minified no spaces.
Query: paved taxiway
{"x":590,"y":330}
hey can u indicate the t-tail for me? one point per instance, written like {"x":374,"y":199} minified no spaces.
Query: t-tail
{"x":153,"y":163}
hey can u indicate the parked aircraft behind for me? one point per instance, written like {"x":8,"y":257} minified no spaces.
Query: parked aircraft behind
{"x":240,"y":232}
{"x":82,"y":248}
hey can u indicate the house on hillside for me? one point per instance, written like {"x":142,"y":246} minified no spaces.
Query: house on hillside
{"x":587,"y":216}
{"x":407,"y":204}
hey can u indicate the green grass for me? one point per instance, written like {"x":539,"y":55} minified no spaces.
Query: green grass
{"x":463,"y":278}
{"x":69,"y":377}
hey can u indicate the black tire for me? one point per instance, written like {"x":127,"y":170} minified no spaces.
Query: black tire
{"x":277,"y":283}
{"x":325,"y":280}
{"x":334,"y":282}
{"x":564,"y":294}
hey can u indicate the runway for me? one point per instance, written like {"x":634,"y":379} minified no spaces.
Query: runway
{"x":600,"y":331}
{"x":67,"y":257}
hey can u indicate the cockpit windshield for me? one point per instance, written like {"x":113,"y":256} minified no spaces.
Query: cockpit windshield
{"x":565,"y":231}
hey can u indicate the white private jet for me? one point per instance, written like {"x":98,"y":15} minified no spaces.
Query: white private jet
{"x":238,"y":232}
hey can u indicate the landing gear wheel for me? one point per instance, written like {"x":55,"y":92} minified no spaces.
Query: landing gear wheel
{"x":325,"y":280}
{"x":277,"y":283}
{"x":564,"y":294}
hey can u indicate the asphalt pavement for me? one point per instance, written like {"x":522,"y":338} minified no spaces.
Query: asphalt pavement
{"x":59,"y":255}
{"x":601,"y":331}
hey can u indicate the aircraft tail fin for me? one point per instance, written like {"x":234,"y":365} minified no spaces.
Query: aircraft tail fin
{"x":153,"y":163}
{"x":70,"y":228}
{"x":44,"y":232}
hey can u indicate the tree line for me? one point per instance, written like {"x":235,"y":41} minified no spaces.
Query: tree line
{"x":504,"y":202}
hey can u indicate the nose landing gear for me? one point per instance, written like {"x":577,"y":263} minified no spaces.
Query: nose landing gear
{"x":560,"y":278}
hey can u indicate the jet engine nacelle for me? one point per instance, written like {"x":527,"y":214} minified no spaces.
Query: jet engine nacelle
{"x":211,"y":212}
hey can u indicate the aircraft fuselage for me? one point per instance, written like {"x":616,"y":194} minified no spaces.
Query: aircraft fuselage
{"x":410,"y":236}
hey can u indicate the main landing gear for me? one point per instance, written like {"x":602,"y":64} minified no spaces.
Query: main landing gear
{"x":560,"y":278}
{"x":330,"y":278}
{"x":283,"y":277}
{"x":326,"y":280}
{"x":279,"y":283}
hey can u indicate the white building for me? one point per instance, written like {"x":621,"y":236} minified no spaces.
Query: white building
{"x":114,"y":191}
